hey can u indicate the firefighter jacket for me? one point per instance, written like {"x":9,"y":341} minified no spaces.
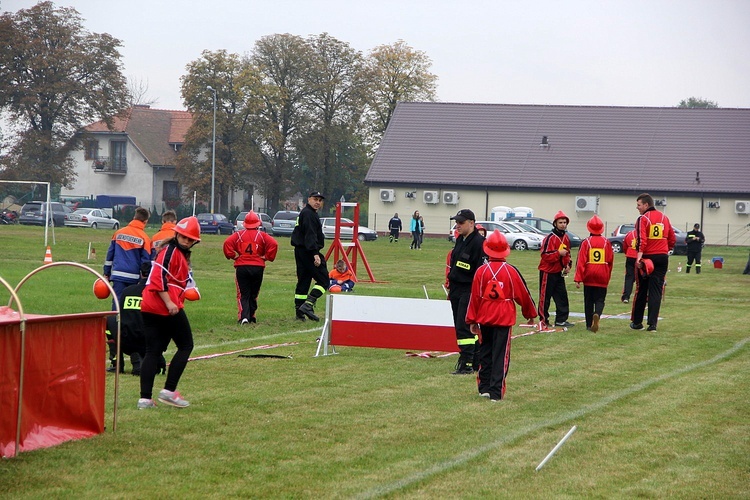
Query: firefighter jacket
{"x":467,"y":256}
{"x":250,"y":247}
{"x":130,"y":247}
{"x":395,"y":223}
{"x":595,"y":261}
{"x":170,"y":272}
{"x":654,"y":233}
{"x":628,"y":244}
{"x":495,"y":291}
{"x":132,"y":337}
{"x":308,"y":233}
{"x":552,"y":262}
{"x":165,"y":234}
{"x":695,"y":240}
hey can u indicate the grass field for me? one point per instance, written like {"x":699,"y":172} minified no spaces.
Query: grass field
{"x":658,"y":415}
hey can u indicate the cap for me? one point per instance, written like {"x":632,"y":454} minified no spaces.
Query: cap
{"x":463,"y":215}
{"x":316,"y":194}
{"x":696,"y":225}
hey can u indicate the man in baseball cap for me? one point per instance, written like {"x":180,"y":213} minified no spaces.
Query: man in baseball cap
{"x":307,"y":240}
{"x":467,"y":256}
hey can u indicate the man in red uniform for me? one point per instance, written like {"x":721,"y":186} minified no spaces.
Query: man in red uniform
{"x":654,"y":240}
{"x":495,"y":290}
{"x":594,"y":270}
{"x":249,"y":249}
{"x":628,"y":245}
{"x":554,"y":266}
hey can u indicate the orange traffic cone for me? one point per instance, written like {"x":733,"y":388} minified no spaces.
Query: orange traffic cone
{"x":48,"y":256}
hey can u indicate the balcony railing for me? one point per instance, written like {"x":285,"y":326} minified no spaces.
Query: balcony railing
{"x":108,"y":165}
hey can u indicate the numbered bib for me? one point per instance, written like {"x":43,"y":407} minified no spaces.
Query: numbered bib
{"x":494,"y":291}
{"x":656,"y":231}
{"x":596,"y":256}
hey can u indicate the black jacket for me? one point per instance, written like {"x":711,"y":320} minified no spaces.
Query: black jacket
{"x":308,"y":233}
{"x":467,"y":256}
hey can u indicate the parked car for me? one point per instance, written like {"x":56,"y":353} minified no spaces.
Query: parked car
{"x":618,"y":236}
{"x":283,"y":222}
{"x":517,"y":238}
{"x":545,"y":226}
{"x":91,"y":217}
{"x":363,"y":233}
{"x":265,"y":222}
{"x":34,"y":213}
{"x":215,"y":224}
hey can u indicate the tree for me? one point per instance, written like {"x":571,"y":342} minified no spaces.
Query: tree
{"x":334,"y":104}
{"x":282,"y":63}
{"x":395,"y":73}
{"x":238,"y":101}
{"x":697,"y":102}
{"x":55,"y":77}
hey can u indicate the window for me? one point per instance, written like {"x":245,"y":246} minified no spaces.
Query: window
{"x":91,"y":150}
{"x":170,"y":190}
{"x":119,"y":155}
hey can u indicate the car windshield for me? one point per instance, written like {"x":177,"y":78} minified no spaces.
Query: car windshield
{"x":83,"y":211}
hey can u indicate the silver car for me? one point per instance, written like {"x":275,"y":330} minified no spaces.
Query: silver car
{"x":265,"y":222}
{"x":91,"y":217}
{"x":363,"y":233}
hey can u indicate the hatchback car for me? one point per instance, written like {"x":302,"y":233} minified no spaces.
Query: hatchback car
{"x":363,"y":233}
{"x":283,"y":222}
{"x":546,"y":227}
{"x":34,"y":213}
{"x":91,"y":217}
{"x":215,"y":224}
{"x":265,"y":222}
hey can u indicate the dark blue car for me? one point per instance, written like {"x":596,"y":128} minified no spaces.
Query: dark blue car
{"x":215,"y":224}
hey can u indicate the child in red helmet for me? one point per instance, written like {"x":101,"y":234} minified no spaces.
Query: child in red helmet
{"x":554,"y":265}
{"x":491,"y":314}
{"x":594,"y":270}
{"x":249,"y":248}
{"x":164,"y":318}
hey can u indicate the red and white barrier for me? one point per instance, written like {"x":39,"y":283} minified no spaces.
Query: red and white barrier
{"x":388,"y":322}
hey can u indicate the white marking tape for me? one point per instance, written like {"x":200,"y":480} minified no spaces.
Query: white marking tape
{"x":464,"y":457}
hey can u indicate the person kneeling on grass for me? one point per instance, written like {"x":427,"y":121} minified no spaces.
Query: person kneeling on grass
{"x":341,"y":277}
{"x":491,"y":314}
{"x":164,"y":318}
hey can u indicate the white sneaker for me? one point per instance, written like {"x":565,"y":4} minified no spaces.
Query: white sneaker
{"x":172,"y":399}
{"x":244,"y":321}
{"x":145,"y":404}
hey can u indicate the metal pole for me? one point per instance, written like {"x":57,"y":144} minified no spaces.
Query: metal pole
{"x":213,"y":152}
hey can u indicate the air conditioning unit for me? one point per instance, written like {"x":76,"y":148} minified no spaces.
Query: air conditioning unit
{"x":450,"y":198}
{"x":431,"y":197}
{"x":387,"y":195}
{"x":713,"y":204}
{"x":661,"y":202}
{"x":585,"y":203}
{"x":742,"y":207}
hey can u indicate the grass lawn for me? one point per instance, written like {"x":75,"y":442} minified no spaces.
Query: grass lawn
{"x":657,"y":414}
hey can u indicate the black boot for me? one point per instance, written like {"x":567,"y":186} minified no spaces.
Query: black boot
{"x":307,"y":310}
{"x":463,"y":368}
{"x":697,"y":269}
{"x":687,"y":270}
{"x":135,"y":360}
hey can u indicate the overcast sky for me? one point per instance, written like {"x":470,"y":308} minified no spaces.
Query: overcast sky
{"x":576,"y":52}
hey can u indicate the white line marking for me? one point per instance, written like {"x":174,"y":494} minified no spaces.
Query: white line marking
{"x":464,"y":457}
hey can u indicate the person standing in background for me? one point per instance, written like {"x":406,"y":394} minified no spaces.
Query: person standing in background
{"x":166,"y":233}
{"x":414,"y":227}
{"x":308,"y":240}
{"x":421,"y":231}
{"x":395,"y":227}
{"x":695,"y":241}
{"x":628,"y":245}
{"x":594,"y":270}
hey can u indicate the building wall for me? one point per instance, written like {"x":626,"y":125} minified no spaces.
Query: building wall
{"x":721,"y":226}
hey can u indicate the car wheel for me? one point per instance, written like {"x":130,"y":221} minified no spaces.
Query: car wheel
{"x":361,"y":237}
{"x":93,"y":225}
{"x":616,"y":247}
{"x":116,"y":226}
{"x":520,"y":245}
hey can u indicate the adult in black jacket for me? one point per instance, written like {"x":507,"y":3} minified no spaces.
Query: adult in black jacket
{"x":467,"y":256}
{"x":308,"y":240}
{"x":395,"y":227}
{"x":132,"y":336}
{"x":694,"y":240}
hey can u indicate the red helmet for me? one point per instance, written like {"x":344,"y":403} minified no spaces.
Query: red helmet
{"x":647,"y":267}
{"x":252,"y":221}
{"x":595,"y":225}
{"x":561,"y":215}
{"x":189,"y":227}
{"x":496,"y":246}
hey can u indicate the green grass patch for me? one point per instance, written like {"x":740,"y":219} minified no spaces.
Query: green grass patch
{"x":658,"y":415}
